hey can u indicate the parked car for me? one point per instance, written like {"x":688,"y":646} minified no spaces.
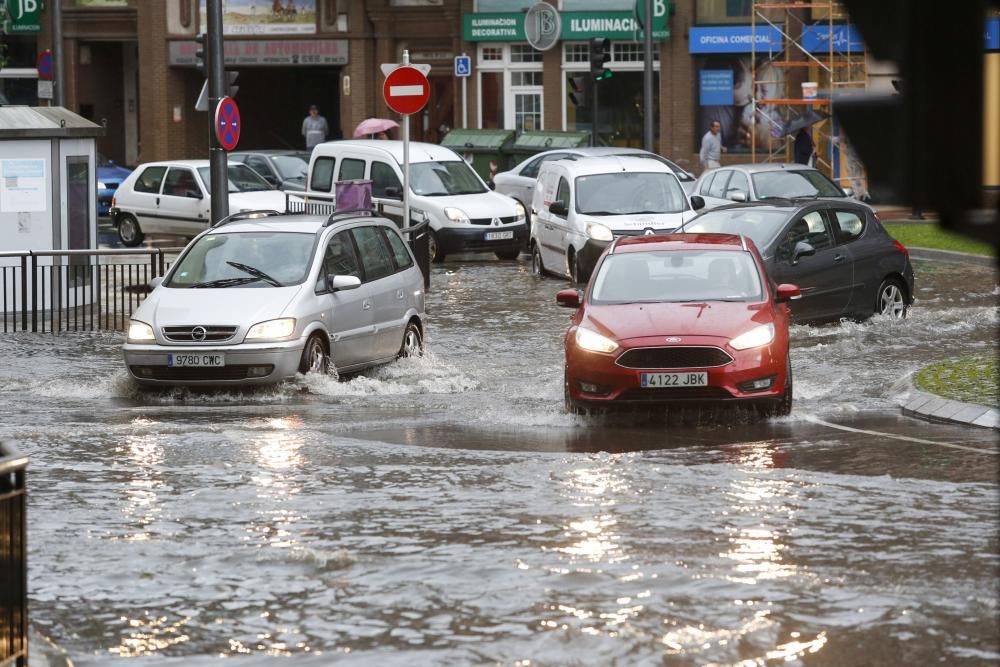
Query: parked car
{"x":174,"y":198}
{"x":285,"y":170}
{"x":257,"y":300}
{"x":581,"y":204}
{"x":519,"y":182}
{"x":679,"y":318}
{"x":836,"y":251}
{"x":764,"y":181}
{"x":109,"y":177}
{"x":464,"y":215}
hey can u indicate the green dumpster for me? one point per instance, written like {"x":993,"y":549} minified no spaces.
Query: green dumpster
{"x":530,"y":143}
{"x":483,"y":149}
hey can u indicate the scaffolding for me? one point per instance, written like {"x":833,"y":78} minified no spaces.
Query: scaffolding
{"x":809,"y":41}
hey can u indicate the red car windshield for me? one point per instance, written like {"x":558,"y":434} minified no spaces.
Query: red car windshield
{"x":674,"y":276}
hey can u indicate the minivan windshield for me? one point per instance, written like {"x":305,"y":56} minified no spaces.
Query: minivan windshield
{"x":628,"y":193}
{"x":794,"y":183}
{"x":241,"y":179}
{"x":245,"y":259}
{"x":438,"y":179}
{"x":677,"y":276}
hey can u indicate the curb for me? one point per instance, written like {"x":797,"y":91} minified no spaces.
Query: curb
{"x":952,"y":256}
{"x":946,"y":411}
{"x":43,"y":652}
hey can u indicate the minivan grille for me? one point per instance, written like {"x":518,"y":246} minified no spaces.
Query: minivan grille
{"x":489,"y":221}
{"x":188,"y":334}
{"x":218,"y":374}
{"x":673,"y":357}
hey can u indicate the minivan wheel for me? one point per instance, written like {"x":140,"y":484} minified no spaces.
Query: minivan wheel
{"x":129,"y":232}
{"x":413,"y":342}
{"x":537,"y":267}
{"x":890,"y":299}
{"x":576,"y":272}
{"x":314,"y":356}
{"x":437,"y":255}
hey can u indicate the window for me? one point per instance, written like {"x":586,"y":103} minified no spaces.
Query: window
{"x":150,"y":179}
{"x":629,"y":193}
{"x":383,"y":178}
{"x":849,"y":226}
{"x":731,"y":11}
{"x":526,"y":78}
{"x":351,"y":169}
{"x":322,"y":176}
{"x":524,"y":53}
{"x":718,"y":188}
{"x":794,"y":183}
{"x":629,"y":52}
{"x":809,"y":228}
{"x":738,"y":183}
{"x":241,"y":179}
{"x":562,"y":193}
{"x":259,"y":165}
{"x":374,"y":257}
{"x":286,"y":257}
{"x":340,"y":258}
{"x":399,"y":251}
{"x":576,"y":52}
{"x":181,"y":183}
{"x":531,"y":171}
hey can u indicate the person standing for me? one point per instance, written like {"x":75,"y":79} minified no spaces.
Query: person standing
{"x":804,"y":149}
{"x":314,"y":128}
{"x":711,"y":146}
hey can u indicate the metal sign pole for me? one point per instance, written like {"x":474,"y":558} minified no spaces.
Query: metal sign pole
{"x":406,"y":156}
{"x":465,"y":101}
{"x":647,"y":79}
{"x":216,"y":90}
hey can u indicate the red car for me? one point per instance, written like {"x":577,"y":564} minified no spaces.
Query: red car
{"x":679,"y":318}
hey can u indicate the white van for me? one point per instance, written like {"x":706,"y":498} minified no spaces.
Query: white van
{"x":464,"y":214}
{"x":581,"y":204}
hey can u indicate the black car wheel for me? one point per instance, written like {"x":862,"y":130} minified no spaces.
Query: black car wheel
{"x":537,"y":267}
{"x":575,"y":270}
{"x":434,"y":249}
{"x":129,"y":232}
{"x":891,"y":299}
{"x":413,"y":342}
{"x":314,"y":357}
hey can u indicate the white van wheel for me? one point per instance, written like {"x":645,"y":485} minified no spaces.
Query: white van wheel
{"x":434,"y":249}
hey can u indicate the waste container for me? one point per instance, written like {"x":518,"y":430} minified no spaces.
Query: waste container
{"x":484,"y":150}
{"x":529,"y":143}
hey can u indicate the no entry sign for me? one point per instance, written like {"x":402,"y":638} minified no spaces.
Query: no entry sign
{"x":227,"y":123}
{"x":406,"y":90}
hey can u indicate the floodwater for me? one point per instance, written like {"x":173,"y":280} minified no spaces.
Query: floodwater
{"x":446,"y":510}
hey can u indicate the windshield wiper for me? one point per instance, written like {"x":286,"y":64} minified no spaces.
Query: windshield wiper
{"x":600,"y":213}
{"x":256,"y":273}
{"x":225,"y":282}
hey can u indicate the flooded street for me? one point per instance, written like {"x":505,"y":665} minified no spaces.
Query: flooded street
{"x":446,"y":510}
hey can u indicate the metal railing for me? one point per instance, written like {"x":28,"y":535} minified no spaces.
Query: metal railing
{"x":76,"y":290}
{"x":13,"y":558}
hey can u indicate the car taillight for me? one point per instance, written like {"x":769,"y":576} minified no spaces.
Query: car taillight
{"x":900,"y":247}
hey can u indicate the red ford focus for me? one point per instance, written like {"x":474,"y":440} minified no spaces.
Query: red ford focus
{"x":679,"y":318}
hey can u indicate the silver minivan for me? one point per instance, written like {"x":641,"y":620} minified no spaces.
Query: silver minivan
{"x":256,"y":300}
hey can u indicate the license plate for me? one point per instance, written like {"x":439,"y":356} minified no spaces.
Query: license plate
{"x":658,"y":380}
{"x":499,"y":236}
{"x":196,"y":360}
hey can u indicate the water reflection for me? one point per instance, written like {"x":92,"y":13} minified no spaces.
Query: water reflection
{"x":144,"y":484}
{"x":276,"y":444}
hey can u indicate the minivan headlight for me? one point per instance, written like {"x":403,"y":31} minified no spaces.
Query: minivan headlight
{"x":599,"y":232}
{"x":518,"y":210}
{"x":456,"y":214}
{"x":282,"y":328}
{"x":756,"y":337}
{"x":140,"y":332}
{"x":594,"y":342}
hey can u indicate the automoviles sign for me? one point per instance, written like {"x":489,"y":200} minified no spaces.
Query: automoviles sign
{"x":269,"y":52}
{"x":576,"y":26}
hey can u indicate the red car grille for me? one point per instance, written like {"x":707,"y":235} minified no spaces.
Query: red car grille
{"x":675,"y":393}
{"x":673,"y":357}
{"x":236,"y":372}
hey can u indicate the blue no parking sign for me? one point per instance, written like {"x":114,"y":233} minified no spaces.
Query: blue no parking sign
{"x":227,"y":123}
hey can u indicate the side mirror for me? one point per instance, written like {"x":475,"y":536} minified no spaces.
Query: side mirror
{"x":787,"y":292}
{"x":155,"y":282}
{"x":558,"y":208}
{"x":802,"y":249}
{"x":193,"y":194}
{"x":738,"y":196}
{"x":338,"y":283}
{"x":491,"y":185}
{"x":393,"y":192}
{"x":568,"y":298}
{"x":848,"y":192}
{"x":697,"y":202}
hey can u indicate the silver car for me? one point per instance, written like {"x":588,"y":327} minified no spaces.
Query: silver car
{"x":764,"y":181}
{"x":256,"y":300}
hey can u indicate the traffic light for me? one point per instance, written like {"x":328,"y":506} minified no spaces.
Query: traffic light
{"x":578,"y":90}
{"x":201,"y":55}
{"x":600,"y":53}
{"x":232,"y":78}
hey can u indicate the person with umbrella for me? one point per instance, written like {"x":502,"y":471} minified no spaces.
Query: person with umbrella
{"x":375,"y":128}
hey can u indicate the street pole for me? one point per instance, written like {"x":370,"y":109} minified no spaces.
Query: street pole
{"x":216,"y":91}
{"x":465,"y":100}
{"x":406,"y":156}
{"x":593,"y":132}
{"x":57,"y":53}
{"x":647,"y":78}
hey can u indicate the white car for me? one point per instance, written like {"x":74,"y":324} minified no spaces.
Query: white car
{"x":519,"y":182}
{"x":766,"y":181}
{"x":258,"y":300}
{"x":580,"y":205}
{"x":464,"y":215}
{"x":174,"y":198}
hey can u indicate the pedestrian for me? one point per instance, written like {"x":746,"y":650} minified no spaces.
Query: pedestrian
{"x":711,"y":146}
{"x":382,"y":135}
{"x":314,"y":128}
{"x":804,"y":149}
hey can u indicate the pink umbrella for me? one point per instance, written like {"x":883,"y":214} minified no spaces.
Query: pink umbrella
{"x":374,"y":126}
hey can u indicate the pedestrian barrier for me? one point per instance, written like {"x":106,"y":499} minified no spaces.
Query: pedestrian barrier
{"x":76,"y":290}
{"x":13,"y":558}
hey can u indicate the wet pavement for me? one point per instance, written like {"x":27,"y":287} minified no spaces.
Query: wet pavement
{"x":446,"y":510}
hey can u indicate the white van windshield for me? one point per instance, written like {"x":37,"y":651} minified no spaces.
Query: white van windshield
{"x":438,"y":179}
{"x":629,"y":193}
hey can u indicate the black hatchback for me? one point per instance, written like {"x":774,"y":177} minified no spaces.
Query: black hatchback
{"x":838,"y":253}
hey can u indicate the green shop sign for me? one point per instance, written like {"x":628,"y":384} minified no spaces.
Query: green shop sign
{"x":576,"y":26}
{"x":22,"y":15}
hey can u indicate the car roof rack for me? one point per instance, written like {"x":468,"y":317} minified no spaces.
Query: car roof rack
{"x":245,"y":215}
{"x":346,"y":213}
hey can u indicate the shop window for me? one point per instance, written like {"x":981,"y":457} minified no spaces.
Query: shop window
{"x":620,"y":107}
{"x":492,"y":99}
{"x":732,"y":108}
{"x":523,"y":53}
{"x":576,"y":52}
{"x":491,"y":54}
{"x":630,"y":52}
{"x":526,"y":78}
{"x":527,"y":111}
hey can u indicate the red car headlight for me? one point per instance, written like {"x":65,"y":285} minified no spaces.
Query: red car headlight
{"x":594,"y":342}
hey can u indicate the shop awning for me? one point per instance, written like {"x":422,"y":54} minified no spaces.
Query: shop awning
{"x":462,"y":140}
